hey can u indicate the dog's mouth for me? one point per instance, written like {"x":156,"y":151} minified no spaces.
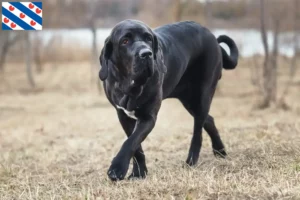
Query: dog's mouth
{"x":131,"y":88}
{"x":142,"y":72}
{"x":142,"y":77}
{"x":133,"y":84}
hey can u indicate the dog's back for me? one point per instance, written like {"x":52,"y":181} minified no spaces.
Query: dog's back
{"x":183,"y":38}
{"x":184,"y":44}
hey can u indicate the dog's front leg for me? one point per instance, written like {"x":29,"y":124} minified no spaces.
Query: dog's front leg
{"x":120,"y":163}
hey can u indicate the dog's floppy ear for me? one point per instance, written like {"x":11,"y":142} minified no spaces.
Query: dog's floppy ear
{"x":155,"y":46}
{"x":158,"y":56}
{"x":104,"y":57}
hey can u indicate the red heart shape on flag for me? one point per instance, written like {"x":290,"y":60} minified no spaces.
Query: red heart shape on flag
{"x":22,"y":15}
{"x":11,"y":8}
{"x":31,"y":6}
{"x":32,"y":23}
{"x":6,"y":20}
{"x":38,"y":11}
{"x":13,"y":25}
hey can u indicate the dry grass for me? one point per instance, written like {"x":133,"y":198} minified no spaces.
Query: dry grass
{"x":57,"y":143}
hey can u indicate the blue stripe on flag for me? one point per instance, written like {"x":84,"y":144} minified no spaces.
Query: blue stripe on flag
{"x":27,"y":12}
{"x":5,"y":27}
{"x":38,"y":4}
{"x":15,"y":19}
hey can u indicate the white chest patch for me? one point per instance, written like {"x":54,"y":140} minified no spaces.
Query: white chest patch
{"x":130,"y":114}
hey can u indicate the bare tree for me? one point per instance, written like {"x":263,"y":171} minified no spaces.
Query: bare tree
{"x":37,"y":52}
{"x":255,"y":71}
{"x":7,"y":40}
{"x":270,"y":66}
{"x":94,"y":49}
{"x":4,"y":42}
{"x":266,"y":65}
{"x":92,"y":20}
{"x":274,"y":60}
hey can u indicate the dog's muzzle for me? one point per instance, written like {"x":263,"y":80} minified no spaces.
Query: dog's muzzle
{"x":145,"y":54}
{"x":143,"y":65}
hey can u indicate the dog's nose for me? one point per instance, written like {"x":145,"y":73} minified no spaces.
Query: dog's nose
{"x":145,"y":53}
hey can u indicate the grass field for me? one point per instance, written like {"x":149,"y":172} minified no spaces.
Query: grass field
{"x":57,"y":142}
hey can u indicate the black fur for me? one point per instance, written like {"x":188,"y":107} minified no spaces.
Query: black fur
{"x":185,"y":62}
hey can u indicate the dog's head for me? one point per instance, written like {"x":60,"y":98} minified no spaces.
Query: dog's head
{"x":131,"y":54}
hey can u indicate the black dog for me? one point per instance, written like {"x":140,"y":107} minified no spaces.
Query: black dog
{"x":141,"y":67}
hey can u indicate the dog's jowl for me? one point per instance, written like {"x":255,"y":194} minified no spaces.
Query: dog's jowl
{"x":140,"y":67}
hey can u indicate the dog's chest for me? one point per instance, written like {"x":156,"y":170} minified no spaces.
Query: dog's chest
{"x":126,"y":104}
{"x":130,"y":114}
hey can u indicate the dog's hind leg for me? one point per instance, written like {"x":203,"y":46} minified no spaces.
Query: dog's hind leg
{"x":196,"y":100}
{"x":200,"y":114}
{"x":217,"y":144}
{"x":139,"y":161}
{"x":211,"y":129}
{"x":200,"y":104}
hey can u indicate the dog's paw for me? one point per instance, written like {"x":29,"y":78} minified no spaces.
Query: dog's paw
{"x":138,"y":173}
{"x":192,"y":159}
{"x":220,"y":153}
{"x":117,"y":171}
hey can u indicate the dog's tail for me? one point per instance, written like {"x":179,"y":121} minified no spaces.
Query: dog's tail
{"x":229,"y":62}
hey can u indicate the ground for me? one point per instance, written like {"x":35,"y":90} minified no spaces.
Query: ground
{"x":57,"y":142}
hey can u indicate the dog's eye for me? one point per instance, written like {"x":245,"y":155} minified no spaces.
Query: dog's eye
{"x":148,"y":39}
{"x":125,"y":41}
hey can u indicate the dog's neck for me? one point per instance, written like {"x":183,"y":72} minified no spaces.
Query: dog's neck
{"x":135,"y":96}
{"x":128,"y":104}
{"x":127,"y":99}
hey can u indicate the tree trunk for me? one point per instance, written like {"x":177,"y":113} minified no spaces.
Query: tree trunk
{"x":37,"y":54}
{"x":256,"y":74}
{"x":93,"y":52}
{"x":28,"y":58}
{"x":95,"y":65}
{"x":266,"y":67}
{"x":274,"y":66}
{"x":5,"y":44}
{"x":3,"y":54}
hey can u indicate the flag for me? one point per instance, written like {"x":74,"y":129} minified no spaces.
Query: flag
{"x":22,"y":16}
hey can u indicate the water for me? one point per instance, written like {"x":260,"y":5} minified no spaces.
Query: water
{"x":248,"y":41}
